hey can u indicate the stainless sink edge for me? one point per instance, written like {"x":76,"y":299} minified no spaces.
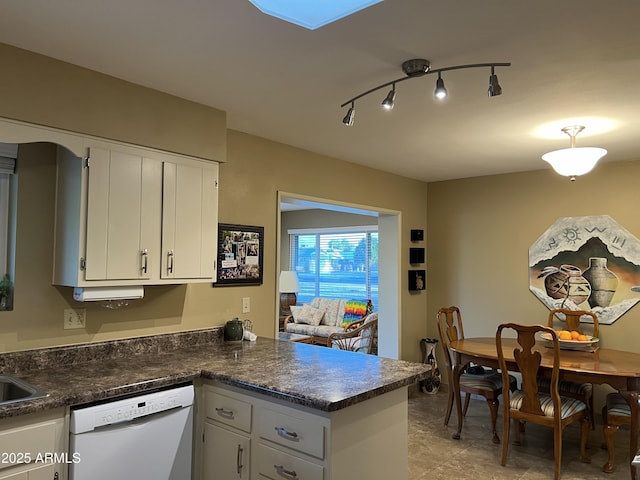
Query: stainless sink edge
{"x":32,"y":392}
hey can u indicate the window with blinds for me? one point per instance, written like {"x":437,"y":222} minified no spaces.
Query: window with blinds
{"x":8,"y":154}
{"x":335,"y":263}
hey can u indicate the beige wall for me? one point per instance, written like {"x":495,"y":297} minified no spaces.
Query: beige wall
{"x":256,"y":169}
{"x":480,"y":229}
{"x":44,"y":91}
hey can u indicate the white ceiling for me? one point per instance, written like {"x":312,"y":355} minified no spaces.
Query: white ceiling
{"x":574,"y":61}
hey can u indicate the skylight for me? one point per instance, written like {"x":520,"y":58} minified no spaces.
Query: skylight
{"x":311,"y":14}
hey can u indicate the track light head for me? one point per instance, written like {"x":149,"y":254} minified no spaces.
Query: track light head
{"x":348,"y":118}
{"x":387,"y":103}
{"x":440,"y":92}
{"x":494,"y":87}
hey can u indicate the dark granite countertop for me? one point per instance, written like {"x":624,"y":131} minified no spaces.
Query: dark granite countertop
{"x":317,"y":377}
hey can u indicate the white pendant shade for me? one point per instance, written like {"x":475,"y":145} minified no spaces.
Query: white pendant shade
{"x":572,"y":162}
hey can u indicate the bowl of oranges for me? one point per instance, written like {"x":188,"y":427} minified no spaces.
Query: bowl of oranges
{"x":573,"y":340}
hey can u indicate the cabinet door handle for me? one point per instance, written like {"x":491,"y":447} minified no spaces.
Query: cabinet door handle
{"x":283,"y":472}
{"x":144,"y":256}
{"x":225,"y":413}
{"x":283,"y":432}
{"x":170,"y":261}
{"x":239,"y":461}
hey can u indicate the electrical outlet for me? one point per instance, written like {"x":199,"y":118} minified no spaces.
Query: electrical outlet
{"x":75,"y":318}
{"x":246,"y":304}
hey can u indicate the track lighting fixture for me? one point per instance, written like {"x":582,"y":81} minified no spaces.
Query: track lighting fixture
{"x":440,"y":92}
{"x":572,"y":162}
{"x":419,"y":67}
{"x":348,"y":118}
{"x":390,"y":98}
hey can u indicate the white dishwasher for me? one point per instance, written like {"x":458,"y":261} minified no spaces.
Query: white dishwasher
{"x":145,"y":437}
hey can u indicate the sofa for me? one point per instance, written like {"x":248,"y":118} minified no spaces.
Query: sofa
{"x":324,"y":316}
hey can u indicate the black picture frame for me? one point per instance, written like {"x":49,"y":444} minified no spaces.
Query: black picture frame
{"x":417,"y":280}
{"x":416,"y":255}
{"x":240,"y":254}
{"x":417,"y":235}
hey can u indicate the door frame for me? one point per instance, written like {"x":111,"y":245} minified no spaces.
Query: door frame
{"x":389,"y":254}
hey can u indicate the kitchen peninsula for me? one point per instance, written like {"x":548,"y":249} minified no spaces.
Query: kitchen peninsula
{"x":359,"y":401}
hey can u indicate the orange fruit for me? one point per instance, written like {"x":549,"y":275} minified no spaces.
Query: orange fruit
{"x":574,"y":335}
{"x":583,"y":338}
{"x":564,"y":335}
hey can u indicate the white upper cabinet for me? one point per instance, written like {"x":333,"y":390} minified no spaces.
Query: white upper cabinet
{"x":124,"y":202}
{"x":126,"y":215}
{"x":189,"y":221}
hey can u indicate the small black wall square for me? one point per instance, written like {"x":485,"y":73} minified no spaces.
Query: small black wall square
{"x":417,"y":235}
{"x":416,"y":256}
{"x":417,"y":280}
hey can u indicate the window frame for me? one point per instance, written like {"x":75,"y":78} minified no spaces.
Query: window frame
{"x":370,"y":283}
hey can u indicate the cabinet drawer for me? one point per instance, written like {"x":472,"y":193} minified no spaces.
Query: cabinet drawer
{"x":229,"y":411}
{"x":304,"y":433}
{"x":277,"y":465}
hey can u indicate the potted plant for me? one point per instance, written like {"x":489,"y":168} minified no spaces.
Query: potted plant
{"x":5,"y":292}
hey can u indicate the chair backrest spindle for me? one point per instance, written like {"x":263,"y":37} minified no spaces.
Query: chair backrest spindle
{"x":450,"y":329}
{"x":573,"y":319}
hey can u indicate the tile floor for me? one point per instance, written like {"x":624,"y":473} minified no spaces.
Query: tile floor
{"x":434,"y":455}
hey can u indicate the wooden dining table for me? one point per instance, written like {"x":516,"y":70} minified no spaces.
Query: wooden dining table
{"x":619,"y":369}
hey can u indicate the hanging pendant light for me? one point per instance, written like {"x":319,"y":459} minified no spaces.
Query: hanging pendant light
{"x":574,"y":161}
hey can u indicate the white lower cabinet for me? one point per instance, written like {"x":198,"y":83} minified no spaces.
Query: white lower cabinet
{"x":33,"y":447}
{"x":283,"y":441}
{"x":228,"y":453}
{"x":45,"y":472}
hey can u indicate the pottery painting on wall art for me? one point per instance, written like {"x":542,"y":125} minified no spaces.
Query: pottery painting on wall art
{"x":586,"y":263}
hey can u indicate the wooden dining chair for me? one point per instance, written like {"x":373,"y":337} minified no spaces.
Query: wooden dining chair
{"x":487,"y":385}
{"x":615,"y":413}
{"x":581,"y":391}
{"x":529,"y":404}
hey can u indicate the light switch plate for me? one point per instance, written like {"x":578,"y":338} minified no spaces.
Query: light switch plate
{"x":246,"y":304}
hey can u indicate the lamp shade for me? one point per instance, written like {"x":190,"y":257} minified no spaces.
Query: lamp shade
{"x":572,"y":162}
{"x":288,"y":282}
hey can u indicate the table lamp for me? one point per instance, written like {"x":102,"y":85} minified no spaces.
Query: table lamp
{"x":288,"y":285}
